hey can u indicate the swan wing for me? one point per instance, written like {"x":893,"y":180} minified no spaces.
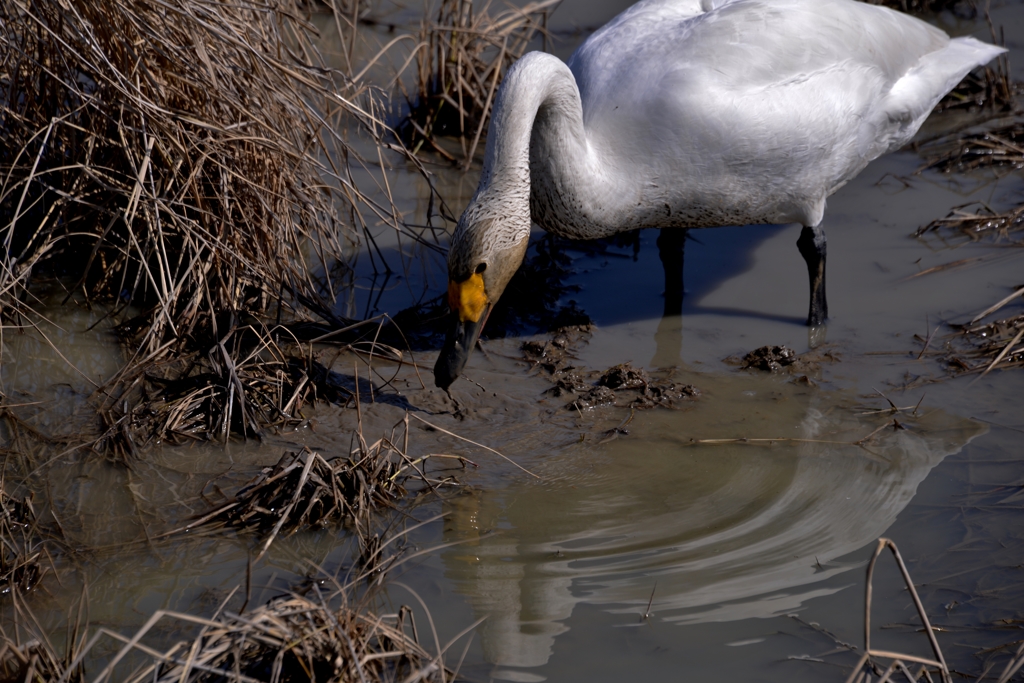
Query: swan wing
{"x":761,"y":103}
{"x":916,"y":93}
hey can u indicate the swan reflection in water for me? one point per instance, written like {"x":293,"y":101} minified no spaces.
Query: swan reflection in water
{"x":727,"y":532}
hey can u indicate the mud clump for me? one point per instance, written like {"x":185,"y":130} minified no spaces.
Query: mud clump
{"x":624,"y":376}
{"x":803,"y":380}
{"x":665,"y":394}
{"x":555,"y":354}
{"x":636,"y":387}
{"x":595,"y":396}
{"x":652,"y":392}
{"x":621,"y":385}
{"x":769,"y":358}
{"x":785,"y":359}
{"x":569,"y":381}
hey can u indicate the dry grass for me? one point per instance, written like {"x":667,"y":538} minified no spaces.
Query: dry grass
{"x":291,"y":638}
{"x":328,"y":628}
{"x":306,"y":491}
{"x":21,"y":550}
{"x":978,"y":347}
{"x":255,"y":380}
{"x":997,"y":345}
{"x":1000,"y":146}
{"x":311,"y":634}
{"x":28,"y":654}
{"x":177,"y":163}
{"x":976,"y":222}
{"x":161,"y":155}
{"x":988,"y":94}
{"x":462,"y":57}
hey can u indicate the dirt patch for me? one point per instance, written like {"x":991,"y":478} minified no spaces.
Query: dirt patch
{"x":555,"y":355}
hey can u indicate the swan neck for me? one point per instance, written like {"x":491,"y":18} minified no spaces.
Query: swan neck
{"x":538,"y":85}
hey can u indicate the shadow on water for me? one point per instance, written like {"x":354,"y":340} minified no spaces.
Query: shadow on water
{"x":634,"y":276}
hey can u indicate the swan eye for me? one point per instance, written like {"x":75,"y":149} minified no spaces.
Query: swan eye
{"x":481,"y":268}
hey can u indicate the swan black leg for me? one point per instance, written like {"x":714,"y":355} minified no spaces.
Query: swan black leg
{"x":812,"y":247}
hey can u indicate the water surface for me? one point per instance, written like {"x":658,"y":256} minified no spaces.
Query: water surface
{"x":717,"y":544}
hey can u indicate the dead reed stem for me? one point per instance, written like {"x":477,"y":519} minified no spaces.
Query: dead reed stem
{"x":478,"y":445}
{"x":897,"y":658}
{"x":977,"y":223}
{"x":894,"y":424}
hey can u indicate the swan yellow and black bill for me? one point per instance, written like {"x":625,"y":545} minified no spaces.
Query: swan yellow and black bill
{"x":469,"y":310}
{"x":468,"y":297}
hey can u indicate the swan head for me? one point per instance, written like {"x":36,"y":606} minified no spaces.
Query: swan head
{"x":486,"y":250}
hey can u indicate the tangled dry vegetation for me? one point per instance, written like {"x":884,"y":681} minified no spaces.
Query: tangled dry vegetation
{"x":999,"y":146}
{"x":21,"y":550}
{"x":978,"y":347}
{"x":312,"y":637}
{"x":977,"y":222}
{"x":311,"y":634}
{"x":996,"y":144}
{"x":178,"y":164}
{"x":326,"y":629}
{"x":307,"y":491}
{"x":254,"y":381}
{"x":461,"y":59}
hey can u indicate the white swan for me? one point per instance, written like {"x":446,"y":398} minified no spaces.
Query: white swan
{"x":694,"y":113}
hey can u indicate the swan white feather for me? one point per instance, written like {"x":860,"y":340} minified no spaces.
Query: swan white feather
{"x":699,"y":113}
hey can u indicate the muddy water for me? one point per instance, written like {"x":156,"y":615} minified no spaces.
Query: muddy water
{"x":717,"y":544}
{"x":714,"y":533}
